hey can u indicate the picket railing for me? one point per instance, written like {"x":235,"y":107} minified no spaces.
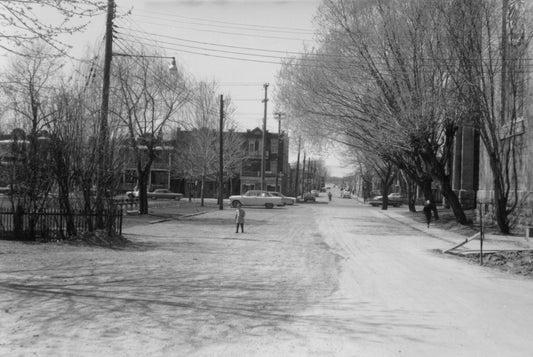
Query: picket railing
{"x":51,"y":224}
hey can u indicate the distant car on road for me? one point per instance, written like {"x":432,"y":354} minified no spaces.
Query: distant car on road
{"x":164,"y":193}
{"x":256,"y":198}
{"x":285,"y":199}
{"x":309,"y":197}
{"x":132,"y":194}
{"x":394,"y":199}
{"x":346,"y":194}
{"x":315,"y":192}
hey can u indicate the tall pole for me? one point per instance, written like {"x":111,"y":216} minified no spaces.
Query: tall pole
{"x":303,"y":177}
{"x":279,"y":114}
{"x":221,"y":156}
{"x":102,"y":150}
{"x":263,"y":151}
{"x":297,"y":167}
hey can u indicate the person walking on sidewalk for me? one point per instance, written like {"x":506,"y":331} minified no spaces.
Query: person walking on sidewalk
{"x":329,"y":195}
{"x":239,"y":219}
{"x":428,"y":207}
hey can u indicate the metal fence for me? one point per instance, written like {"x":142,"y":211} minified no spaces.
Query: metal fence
{"x":52,"y":224}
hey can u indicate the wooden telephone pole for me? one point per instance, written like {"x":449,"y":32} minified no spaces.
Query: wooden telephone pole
{"x":263,"y":151}
{"x":221,"y":156}
{"x":103,"y":144}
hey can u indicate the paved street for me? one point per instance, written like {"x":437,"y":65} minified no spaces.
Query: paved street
{"x":338,"y":279}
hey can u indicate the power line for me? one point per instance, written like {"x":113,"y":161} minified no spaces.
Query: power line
{"x":230,"y":23}
{"x":227,"y":32}
{"x":220,"y":45}
{"x":258,"y":28}
{"x":316,"y":57}
{"x":135,"y":39}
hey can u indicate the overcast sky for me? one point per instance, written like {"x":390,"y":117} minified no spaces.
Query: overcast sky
{"x":237,"y":43}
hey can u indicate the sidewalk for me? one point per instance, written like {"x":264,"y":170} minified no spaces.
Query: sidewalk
{"x":452,"y":234}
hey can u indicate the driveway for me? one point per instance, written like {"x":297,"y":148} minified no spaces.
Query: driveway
{"x":338,"y":279}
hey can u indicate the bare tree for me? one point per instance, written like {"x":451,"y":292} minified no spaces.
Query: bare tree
{"x":31,"y":81}
{"x":24,"y":21}
{"x":490,"y":41}
{"x":147,"y":100}
{"x":376,"y":80}
{"x":201,"y":155}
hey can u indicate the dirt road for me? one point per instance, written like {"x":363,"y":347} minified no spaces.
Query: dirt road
{"x":336,"y":279}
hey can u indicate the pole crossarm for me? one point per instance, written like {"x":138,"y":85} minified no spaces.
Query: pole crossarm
{"x":141,"y":56}
{"x":173,"y":68}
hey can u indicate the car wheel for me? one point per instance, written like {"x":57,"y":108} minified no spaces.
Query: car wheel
{"x":269,"y":205}
{"x":235,"y":204}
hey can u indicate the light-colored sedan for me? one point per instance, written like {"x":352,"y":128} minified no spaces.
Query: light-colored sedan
{"x":285,"y":199}
{"x":256,"y":198}
{"x":394,"y":199}
{"x":164,"y":193}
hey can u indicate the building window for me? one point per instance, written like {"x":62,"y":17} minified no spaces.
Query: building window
{"x":274,"y":143}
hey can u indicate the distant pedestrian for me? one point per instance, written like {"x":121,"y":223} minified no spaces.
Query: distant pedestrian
{"x":428,"y":207}
{"x":329,"y":195}
{"x":239,"y":219}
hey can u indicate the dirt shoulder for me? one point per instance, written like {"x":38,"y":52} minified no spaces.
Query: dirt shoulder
{"x":512,"y":259}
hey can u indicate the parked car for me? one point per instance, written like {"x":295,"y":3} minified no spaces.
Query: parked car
{"x":346,"y":194}
{"x":395,"y":200}
{"x":256,"y":198}
{"x":132,"y":194}
{"x":309,"y":197}
{"x":315,"y":192}
{"x":164,"y":193}
{"x":285,"y":199}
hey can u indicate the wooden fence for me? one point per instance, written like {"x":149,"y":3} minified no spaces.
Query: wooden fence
{"x":52,"y":224}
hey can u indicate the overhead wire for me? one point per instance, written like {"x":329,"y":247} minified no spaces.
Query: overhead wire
{"x":264,"y":58}
{"x":317,"y":55}
{"x":240,"y":27}
{"x":181,"y":39}
{"x":263,"y":27}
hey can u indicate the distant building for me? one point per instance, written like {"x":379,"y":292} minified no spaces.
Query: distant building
{"x":246,"y":175}
{"x":276,"y":161}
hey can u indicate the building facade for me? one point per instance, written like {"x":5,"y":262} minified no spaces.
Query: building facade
{"x":276,"y":161}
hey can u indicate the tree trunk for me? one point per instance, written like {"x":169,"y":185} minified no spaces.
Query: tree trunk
{"x":64,"y":205}
{"x":142,"y":187}
{"x":500,"y":207}
{"x":384,"y":194}
{"x":453,"y":200}
{"x":202,"y":186}
{"x":411,"y":195}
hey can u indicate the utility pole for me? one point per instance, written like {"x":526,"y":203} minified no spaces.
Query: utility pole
{"x":263,"y":151}
{"x":297,"y":167}
{"x":303,"y":177}
{"x":221,"y":156}
{"x":279,"y":115}
{"x":103,"y":145}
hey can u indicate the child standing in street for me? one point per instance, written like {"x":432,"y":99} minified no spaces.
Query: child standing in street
{"x":239,"y":219}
